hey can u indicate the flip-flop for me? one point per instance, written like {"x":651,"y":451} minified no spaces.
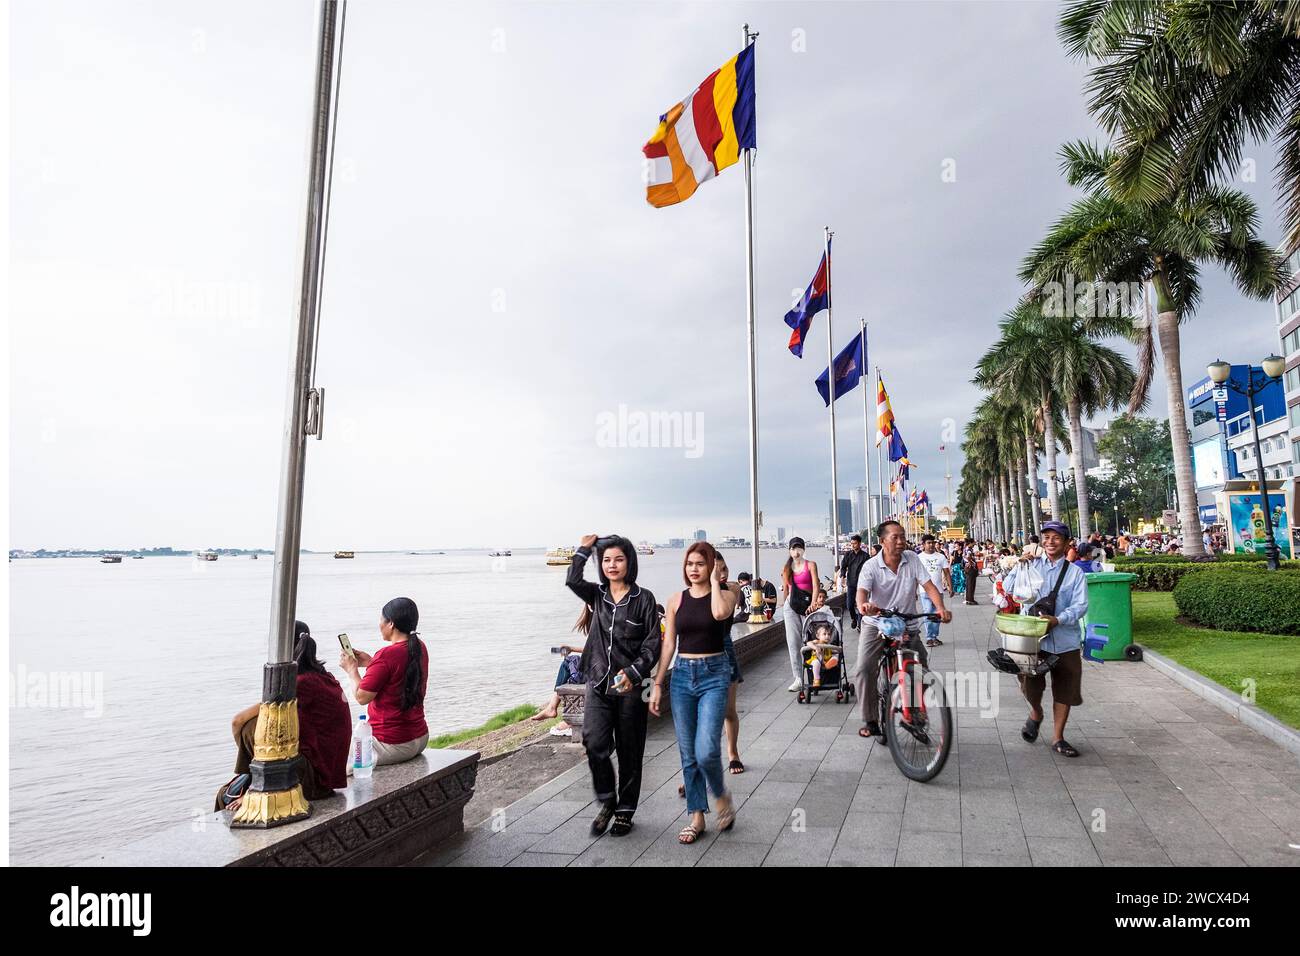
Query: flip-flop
{"x":734,"y":767}
{"x":689,"y":834}
{"x":871,"y":729}
{"x":1063,"y":748}
{"x":1029,"y":732}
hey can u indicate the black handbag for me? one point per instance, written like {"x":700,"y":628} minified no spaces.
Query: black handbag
{"x":800,"y":600}
{"x":1046,"y":606}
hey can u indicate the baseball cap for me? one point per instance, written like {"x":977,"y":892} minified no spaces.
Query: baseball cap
{"x":1058,"y":526}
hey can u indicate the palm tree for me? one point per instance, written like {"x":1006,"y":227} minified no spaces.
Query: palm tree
{"x":1183,"y":87}
{"x":1163,"y":244}
{"x":1064,"y":355}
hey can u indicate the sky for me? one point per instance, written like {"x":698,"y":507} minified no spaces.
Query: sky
{"x":496,"y":286}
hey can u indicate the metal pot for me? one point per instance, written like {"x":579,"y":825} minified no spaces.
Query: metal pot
{"x":1020,"y":644}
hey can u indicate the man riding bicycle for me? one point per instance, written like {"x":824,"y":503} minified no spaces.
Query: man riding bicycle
{"x":888,"y":581}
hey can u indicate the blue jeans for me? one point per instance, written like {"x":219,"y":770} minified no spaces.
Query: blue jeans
{"x":926,"y":606}
{"x":699,"y":695}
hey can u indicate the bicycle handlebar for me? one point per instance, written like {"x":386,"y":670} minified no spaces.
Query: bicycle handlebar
{"x":890,"y":612}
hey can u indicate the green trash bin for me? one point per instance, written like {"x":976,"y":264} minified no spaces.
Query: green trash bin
{"x":1110,"y":602}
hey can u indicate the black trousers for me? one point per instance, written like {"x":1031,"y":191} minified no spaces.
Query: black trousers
{"x":615,"y":723}
{"x":971,"y":577}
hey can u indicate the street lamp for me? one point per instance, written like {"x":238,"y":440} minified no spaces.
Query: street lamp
{"x":1116,"y":507}
{"x":1221,"y":374}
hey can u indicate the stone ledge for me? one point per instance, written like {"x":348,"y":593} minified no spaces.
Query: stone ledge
{"x":1214,"y":693}
{"x":402,"y":811}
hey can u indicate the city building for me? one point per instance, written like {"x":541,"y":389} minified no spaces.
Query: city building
{"x":861,"y":498}
{"x":676,"y":542}
{"x":1222,"y":445}
{"x":780,"y":535}
{"x":1288,"y":331}
{"x":700,"y":535}
{"x":846,"y":516}
{"x":1094,"y":465}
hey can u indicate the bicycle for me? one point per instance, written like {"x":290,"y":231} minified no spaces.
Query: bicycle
{"x":914,"y":713}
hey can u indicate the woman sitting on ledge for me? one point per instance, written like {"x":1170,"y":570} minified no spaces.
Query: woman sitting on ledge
{"x":324,"y":730}
{"x":394,"y":684}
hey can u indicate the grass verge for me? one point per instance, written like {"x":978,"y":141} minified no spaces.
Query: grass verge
{"x":1228,"y":658}
{"x":503,"y":719}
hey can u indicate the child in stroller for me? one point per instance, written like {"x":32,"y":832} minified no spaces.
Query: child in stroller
{"x":823,"y":656}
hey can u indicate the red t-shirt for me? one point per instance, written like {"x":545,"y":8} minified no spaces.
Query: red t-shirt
{"x":324,"y":728}
{"x":384,"y":676}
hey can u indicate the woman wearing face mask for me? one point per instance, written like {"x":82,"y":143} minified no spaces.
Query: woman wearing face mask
{"x":623,"y":641}
{"x":800,"y":586}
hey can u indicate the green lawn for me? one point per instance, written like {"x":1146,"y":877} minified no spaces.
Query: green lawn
{"x":1226,"y":657}
{"x":503,"y":719}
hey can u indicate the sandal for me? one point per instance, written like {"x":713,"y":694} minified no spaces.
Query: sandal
{"x":622,"y":824}
{"x":734,"y":767}
{"x":601,"y":823}
{"x":689,"y":834}
{"x":872,"y":729}
{"x":1063,"y":748}
{"x":1029,"y":732}
{"x":727,"y":818}
{"x":681,"y":790}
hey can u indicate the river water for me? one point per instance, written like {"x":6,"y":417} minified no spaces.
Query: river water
{"x":124,"y":678}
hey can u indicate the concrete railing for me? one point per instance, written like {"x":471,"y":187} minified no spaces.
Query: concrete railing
{"x":401,"y":811}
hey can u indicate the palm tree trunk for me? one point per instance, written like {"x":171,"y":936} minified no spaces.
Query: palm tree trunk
{"x":1021,"y":527}
{"x":1008,"y":500}
{"x":1075,"y":414}
{"x":1031,"y":480}
{"x":1170,"y":349}
{"x":1049,"y":452}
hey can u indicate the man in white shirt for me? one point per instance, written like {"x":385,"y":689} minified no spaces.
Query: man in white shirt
{"x":889,"y":581}
{"x":938,"y":568}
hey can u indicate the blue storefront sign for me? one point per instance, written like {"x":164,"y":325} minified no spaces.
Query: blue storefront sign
{"x":1209,"y":514}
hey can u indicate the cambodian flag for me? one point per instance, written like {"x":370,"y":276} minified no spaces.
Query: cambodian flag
{"x":897,"y":449}
{"x":848,"y":371}
{"x":815,"y":298}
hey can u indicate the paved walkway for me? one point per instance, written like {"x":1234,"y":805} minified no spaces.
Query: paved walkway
{"x":1163,"y":779}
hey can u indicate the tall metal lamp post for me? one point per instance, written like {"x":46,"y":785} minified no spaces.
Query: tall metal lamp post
{"x":1272,"y":367}
{"x":275,"y":796}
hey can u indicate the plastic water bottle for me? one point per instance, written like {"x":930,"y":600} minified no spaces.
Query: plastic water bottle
{"x":363,"y":749}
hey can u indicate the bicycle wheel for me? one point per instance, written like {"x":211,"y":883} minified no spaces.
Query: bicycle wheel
{"x":921,"y":740}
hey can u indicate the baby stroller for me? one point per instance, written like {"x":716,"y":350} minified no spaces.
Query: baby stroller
{"x":824,"y":624}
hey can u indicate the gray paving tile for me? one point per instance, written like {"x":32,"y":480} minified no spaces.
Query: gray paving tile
{"x":929,"y":849}
{"x":1062,"y":851}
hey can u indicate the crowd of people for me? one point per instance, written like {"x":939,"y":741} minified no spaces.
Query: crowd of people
{"x":633,"y":644}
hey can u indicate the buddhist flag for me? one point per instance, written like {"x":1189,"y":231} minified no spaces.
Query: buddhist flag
{"x":703,"y":134}
{"x":884,"y":414}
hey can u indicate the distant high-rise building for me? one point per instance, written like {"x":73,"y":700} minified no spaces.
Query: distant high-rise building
{"x":780,"y":535}
{"x":846,"y":514}
{"x":861,"y":498}
{"x":676,"y":542}
{"x":700,"y":535}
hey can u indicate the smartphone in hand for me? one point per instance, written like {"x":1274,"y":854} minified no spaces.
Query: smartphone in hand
{"x":347,"y":646}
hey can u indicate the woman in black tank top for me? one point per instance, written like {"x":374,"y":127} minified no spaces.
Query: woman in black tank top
{"x":696,"y":627}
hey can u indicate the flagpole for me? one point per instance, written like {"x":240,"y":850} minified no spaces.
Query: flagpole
{"x":830,"y":375}
{"x":866,"y":439}
{"x":747,"y":39}
{"x":880,"y":467}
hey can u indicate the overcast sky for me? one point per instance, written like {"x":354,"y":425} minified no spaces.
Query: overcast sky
{"x":496,"y":281}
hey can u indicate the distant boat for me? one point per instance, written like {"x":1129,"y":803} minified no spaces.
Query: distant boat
{"x":205,"y":555}
{"x":252,"y":557}
{"x":344,"y":554}
{"x":560,"y":557}
{"x":111,"y":559}
{"x":499,"y":554}
{"x":137,"y":557}
{"x":644,"y":549}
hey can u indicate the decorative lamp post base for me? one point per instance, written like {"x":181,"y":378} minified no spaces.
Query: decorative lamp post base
{"x":274,"y":796}
{"x":265,"y":810}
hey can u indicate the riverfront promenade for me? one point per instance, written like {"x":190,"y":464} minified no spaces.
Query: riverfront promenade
{"x":1164,"y":779}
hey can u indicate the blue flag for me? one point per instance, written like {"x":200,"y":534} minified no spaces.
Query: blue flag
{"x":848,"y":371}
{"x":897,"y":449}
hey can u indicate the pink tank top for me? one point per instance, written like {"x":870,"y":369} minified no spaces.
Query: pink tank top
{"x":803,"y":579}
